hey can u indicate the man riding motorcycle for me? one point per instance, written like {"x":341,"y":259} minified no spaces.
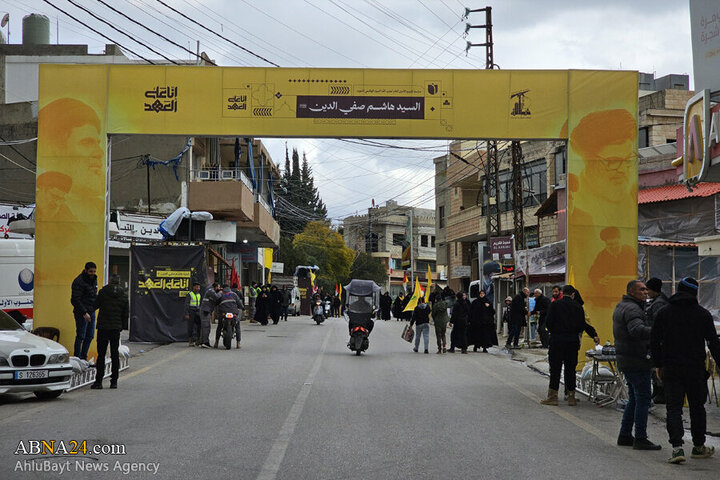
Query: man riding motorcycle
{"x":228,"y":302}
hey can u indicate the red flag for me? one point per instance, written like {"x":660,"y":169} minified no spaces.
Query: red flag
{"x":337,"y":292}
{"x":234,"y":277}
{"x":390,"y":264}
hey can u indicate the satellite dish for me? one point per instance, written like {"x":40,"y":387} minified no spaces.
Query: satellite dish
{"x":5,"y":20}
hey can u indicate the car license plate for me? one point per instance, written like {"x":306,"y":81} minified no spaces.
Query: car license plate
{"x":31,"y":374}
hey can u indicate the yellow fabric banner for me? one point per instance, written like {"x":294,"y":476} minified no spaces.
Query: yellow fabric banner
{"x":417,"y":293}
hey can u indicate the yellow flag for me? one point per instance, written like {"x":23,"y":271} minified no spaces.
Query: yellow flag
{"x":340,"y":294}
{"x":269,"y":277}
{"x":415,"y":297}
{"x":268,"y":262}
{"x":312,"y":279}
{"x":429,"y":284}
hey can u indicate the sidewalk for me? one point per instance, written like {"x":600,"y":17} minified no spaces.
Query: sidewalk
{"x":536,"y":359}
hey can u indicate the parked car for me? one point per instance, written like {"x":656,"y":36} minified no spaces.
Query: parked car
{"x":29,"y":363}
{"x":294,"y":306}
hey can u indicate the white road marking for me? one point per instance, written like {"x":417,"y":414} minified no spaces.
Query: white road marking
{"x":276,"y":456}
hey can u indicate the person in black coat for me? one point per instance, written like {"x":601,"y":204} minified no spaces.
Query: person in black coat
{"x":82,"y":297}
{"x":407,"y":315}
{"x":275,"y":304}
{"x":398,"y":306}
{"x":565,"y":322}
{"x":262,"y":305}
{"x":518,"y":311}
{"x":459,"y":318}
{"x":482,"y":324}
{"x":112,"y":301}
{"x":385,"y":306}
{"x":542,"y":303}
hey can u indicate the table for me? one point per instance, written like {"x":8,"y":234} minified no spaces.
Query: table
{"x":614,"y":387}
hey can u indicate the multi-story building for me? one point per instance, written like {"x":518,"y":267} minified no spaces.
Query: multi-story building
{"x":151,"y":175}
{"x":383,"y":233}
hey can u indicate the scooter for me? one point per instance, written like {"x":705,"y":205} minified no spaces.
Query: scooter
{"x":227,"y":327}
{"x":318,"y":313}
{"x":359,"y":340}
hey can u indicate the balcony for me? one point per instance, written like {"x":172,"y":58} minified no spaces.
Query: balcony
{"x":227,"y":194}
{"x":464,"y":225}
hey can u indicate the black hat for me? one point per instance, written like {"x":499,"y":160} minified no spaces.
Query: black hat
{"x":689,"y":285}
{"x":654,"y":284}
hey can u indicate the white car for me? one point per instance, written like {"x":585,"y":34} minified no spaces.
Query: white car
{"x":29,"y":363}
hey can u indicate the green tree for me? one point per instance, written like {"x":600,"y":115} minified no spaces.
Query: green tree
{"x":367,"y":267}
{"x":290,"y":256}
{"x":322,"y":247}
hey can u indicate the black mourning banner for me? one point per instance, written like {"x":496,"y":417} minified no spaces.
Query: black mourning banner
{"x":324,"y":106}
{"x":160,"y":279}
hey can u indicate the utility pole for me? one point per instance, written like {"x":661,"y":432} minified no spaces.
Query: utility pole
{"x":518,"y":201}
{"x":493,"y":224}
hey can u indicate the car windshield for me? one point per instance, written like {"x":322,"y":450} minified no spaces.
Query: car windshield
{"x":7,"y":323}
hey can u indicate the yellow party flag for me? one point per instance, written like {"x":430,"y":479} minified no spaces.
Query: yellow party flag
{"x":417,"y":293}
{"x":429,"y":283}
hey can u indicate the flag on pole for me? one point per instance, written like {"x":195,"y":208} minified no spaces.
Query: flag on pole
{"x":405,"y":282}
{"x":312,"y":281}
{"x":234,"y":277}
{"x":429,"y":283}
{"x":390,"y":264}
{"x":415,"y":297}
{"x":337,"y":292}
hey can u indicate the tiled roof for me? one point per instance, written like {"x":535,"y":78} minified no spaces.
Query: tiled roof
{"x":676,"y":192}
{"x":658,"y":243}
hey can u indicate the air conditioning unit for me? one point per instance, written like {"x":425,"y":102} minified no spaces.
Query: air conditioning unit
{"x":227,"y":175}
{"x":203,"y":175}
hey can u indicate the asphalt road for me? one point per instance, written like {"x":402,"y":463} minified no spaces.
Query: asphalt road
{"x":295,"y":404}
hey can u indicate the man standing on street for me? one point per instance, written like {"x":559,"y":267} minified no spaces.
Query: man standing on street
{"x":678,"y":339}
{"x":542,"y":303}
{"x":192,"y":315}
{"x":566,"y":323}
{"x":112,"y":318}
{"x":518,"y":311}
{"x":228,"y":302}
{"x":421,"y":317}
{"x":252,"y":298}
{"x":632,"y":345}
{"x":556,"y":293}
{"x":658,"y":300}
{"x":84,"y":292}
{"x":208,"y":304}
{"x":285,"y":301}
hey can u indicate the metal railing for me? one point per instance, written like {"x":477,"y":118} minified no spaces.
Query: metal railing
{"x":215,"y":175}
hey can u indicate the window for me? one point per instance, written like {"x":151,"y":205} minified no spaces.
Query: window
{"x":371,"y":243}
{"x":422,"y":265}
{"x":398,"y":239}
{"x":423,"y":240}
{"x":456,"y":249}
{"x":432,"y":241}
{"x":560,"y":166}
{"x":534,"y":181}
{"x":441,"y":216}
{"x":644,"y":137}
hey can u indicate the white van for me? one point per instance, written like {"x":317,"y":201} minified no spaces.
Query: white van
{"x":17,"y":277}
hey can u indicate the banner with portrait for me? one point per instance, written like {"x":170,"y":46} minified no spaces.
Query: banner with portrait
{"x":160,"y":279}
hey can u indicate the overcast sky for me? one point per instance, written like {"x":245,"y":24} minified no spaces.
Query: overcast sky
{"x":644,"y":35}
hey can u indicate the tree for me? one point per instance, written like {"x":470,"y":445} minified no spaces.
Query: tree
{"x":290,"y":256}
{"x":322,"y":247}
{"x":367,"y":267}
{"x":299,"y":201}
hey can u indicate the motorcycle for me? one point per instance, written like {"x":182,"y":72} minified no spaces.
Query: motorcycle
{"x":318,"y":313}
{"x":227,"y":327}
{"x":362,"y":301}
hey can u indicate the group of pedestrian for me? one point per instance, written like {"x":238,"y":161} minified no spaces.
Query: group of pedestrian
{"x":269,"y":303}
{"x":113,"y":306}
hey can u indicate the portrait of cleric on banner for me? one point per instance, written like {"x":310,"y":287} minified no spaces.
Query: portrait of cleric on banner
{"x":602,"y":219}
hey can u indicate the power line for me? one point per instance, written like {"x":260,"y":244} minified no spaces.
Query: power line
{"x":97,"y":17}
{"x":217,"y":34}
{"x":154,"y":32}
{"x":99,"y":33}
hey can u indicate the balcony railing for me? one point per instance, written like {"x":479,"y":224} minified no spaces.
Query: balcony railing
{"x":264,"y":204}
{"x":215,"y":175}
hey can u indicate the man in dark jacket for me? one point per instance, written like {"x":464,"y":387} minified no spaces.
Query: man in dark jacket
{"x":421,"y":318}
{"x":566,"y":323}
{"x":112,"y":301}
{"x":285,"y":299}
{"x":84,"y":292}
{"x":677,"y":341}
{"x":518,"y":311}
{"x":657,"y":301}
{"x":228,"y":302}
{"x":192,"y":315}
{"x":632,"y":345}
{"x":542,"y":303}
{"x":208,"y":304}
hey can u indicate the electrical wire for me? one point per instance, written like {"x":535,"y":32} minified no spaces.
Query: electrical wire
{"x":99,"y":33}
{"x":216,"y":34}
{"x":155,"y":33}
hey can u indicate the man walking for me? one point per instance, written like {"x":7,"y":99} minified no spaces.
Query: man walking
{"x":421,"y":317}
{"x":678,"y":339}
{"x":252,"y":298}
{"x":285,"y":301}
{"x":112,"y":301}
{"x":518,"y":311}
{"x":441,"y":319}
{"x":192,"y":315}
{"x":542,"y":303}
{"x":632,"y":345}
{"x":208,"y":304}
{"x":82,"y":297}
{"x":658,"y":300}
{"x":566,"y":323}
